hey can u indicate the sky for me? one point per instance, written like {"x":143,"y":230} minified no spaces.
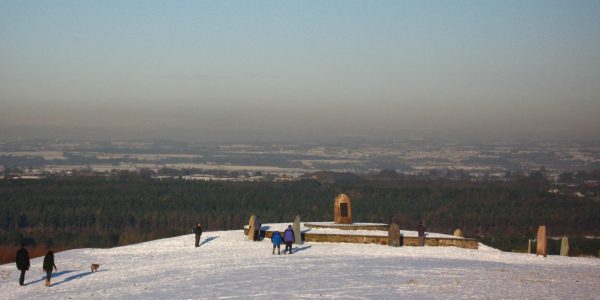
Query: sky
{"x":300,"y":70}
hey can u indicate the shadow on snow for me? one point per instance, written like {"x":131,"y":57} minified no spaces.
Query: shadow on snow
{"x":77,"y":276}
{"x":54,"y":275}
{"x":301,"y":248}
{"x":208,"y":240}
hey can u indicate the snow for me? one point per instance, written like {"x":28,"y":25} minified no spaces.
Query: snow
{"x":342,"y":225}
{"x":408,"y":233}
{"x":228,"y":266}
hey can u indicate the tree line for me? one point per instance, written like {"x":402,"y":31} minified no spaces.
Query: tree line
{"x":129,"y":207}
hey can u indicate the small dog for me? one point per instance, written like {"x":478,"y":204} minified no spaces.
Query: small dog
{"x":95,"y":267}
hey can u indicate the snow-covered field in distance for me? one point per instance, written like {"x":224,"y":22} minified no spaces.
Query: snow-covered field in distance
{"x":227,"y":265}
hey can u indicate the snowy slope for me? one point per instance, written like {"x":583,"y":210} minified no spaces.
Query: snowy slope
{"x":229,"y":266}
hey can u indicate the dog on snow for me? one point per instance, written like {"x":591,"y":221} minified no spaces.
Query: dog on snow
{"x":95,"y":267}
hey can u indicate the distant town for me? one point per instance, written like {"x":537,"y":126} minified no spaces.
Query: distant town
{"x":259,"y":162}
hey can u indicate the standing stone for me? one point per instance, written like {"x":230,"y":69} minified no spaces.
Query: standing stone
{"x":458,"y":233}
{"x":297,"y":231}
{"x":394,"y":236}
{"x":342,"y":211}
{"x":564,"y":246}
{"x":251,"y":228}
{"x":542,"y":243}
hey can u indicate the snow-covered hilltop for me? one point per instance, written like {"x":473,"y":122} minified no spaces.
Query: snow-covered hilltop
{"x":227,"y":265}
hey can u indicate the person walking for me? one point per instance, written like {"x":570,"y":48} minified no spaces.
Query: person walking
{"x":22,"y":260}
{"x":421,"y":231}
{"x":288,"y":238}
{"x":257,"y":226}
{"x":198,"y":231}
{"x":276,"y":239}
{"x":48,"y":265}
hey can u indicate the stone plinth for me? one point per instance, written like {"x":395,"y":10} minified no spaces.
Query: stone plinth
{"x":342,"y":211}
{"x":382,"y":238}
{"x":340,"y":238}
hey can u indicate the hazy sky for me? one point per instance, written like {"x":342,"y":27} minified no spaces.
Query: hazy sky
{"x":301,"y":69}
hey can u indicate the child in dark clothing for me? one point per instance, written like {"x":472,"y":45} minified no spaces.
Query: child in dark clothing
{"x":276,"y":239}
{"x":48,"y":265}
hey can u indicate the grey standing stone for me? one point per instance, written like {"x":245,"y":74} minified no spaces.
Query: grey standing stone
{"x":564,"y":246}
{"x":297,"y":231}
{"x":394,"y":236}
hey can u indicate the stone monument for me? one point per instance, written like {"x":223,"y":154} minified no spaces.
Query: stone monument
{"x":297,"y":231}
{"x":394,"y":236}
{"x":342,"y":211}
{"x":542,"y":243}
{"x":251,"y":228}
{"x":458,"y":233}
{"x":564,"y":246}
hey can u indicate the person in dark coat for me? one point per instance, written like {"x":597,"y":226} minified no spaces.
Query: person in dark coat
{"x":198,"y":231}
{"x":48,"y":265}
{"x":276,"y":239}
{"x":22,"y":262}
{"x":288,"y":238}
{"x":257,"y":226}
{"x":421,"y":231}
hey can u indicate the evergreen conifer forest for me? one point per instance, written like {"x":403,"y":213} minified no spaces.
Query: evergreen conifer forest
{"x":65,"y":212}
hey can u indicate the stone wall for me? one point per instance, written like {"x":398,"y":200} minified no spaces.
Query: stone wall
{"x":338,"y":238}
{"x":440,"y":241}
{"x":381,"y":240}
